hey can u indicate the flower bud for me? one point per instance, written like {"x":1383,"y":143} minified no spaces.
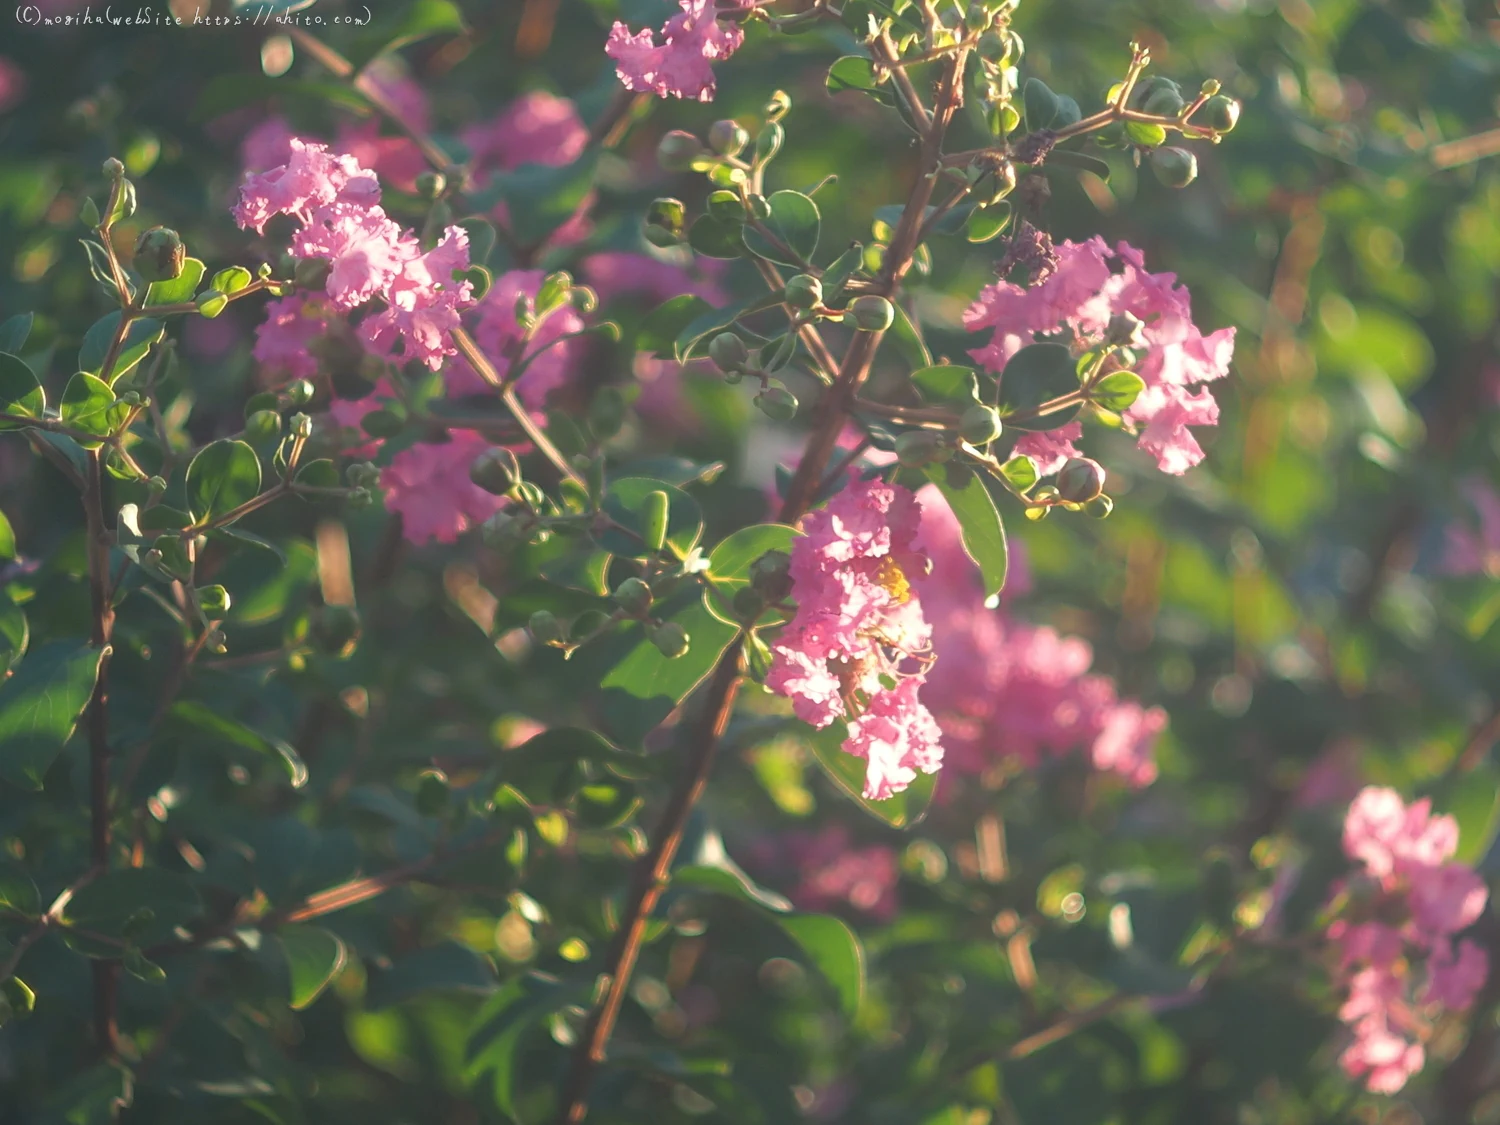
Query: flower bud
{"x":748,"y":604}
{"x":1080,"y":480}
{"x":728,"y":352}
{"x":431,"y":184}
{"x":670,"y":639}
{"x":916,"y":448}
{"x":496,"y":471}
{"x":633,"y":596}
{"x":213,"y":601}
{"x":156,"y":485}
{"x":301,"y":425}
{"x":677,"y":150}
{"x":727,"y":138}
{"x":362,"y":474}
{"x":299,"y":392}
{"x":311,"y":273}
{"x":1123,"y":331}
{"x":804,"y":292}
{"x":432,"y":793}
{"x":113,"y":169}
{"x":1164,"y":101}
{"x":1175,"y":167}
{"x":262,"y":426}
{"x":872,"y":313}
{"x":979,"y":425}
{"x":777,"y":403}
{"x":771,"y":575}
{"x":335,"y":629}
{"x":1222,"y":113}
{"x":359,"y":498}
{"x":726,"y":206}
{"x":1099,"y":507}
{"x":159,"y":254}
{"x":546,"y":628}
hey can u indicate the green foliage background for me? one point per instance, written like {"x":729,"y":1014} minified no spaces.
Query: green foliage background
{"x":1280,"y":598}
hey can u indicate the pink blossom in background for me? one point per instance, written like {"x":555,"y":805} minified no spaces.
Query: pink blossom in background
{"x":349,"y":413}
{"x":1003,"y":689}
{"x":620,"y":274}
{"x":856,"y":648}
{"x":1397,"y":954}
{"x":1475,"y":550}
{"x":12,"y":85}
{"x":680,"y":66}
{"x":498,"y":333}
{"x":267,"y":145}
{"x":428,"y":485}
{"x":1093,"y":283}
{"x":832,"y":873}
{"x":536,"y":128}
{"x":283,"y":340}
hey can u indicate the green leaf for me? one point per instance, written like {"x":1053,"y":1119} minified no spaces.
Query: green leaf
{"x":445,"y":967}
{"x":987,"y":223}
{"x":1146,"y":133}
{"x":645,"y":687}
{"x":7,"y":539}
{"x":979,"y":521}
{"x":947,"y":383}
{"x":20,"y":393}
{"x":40,"y":705}
{"x":584,"y":569}
{"x":313,"y":958}
{"x":15,"y":634}
{"x":832,"y":948}
{"x":1040,"y":103}
{"x":94,"y":1097}
{"x":14,"y":333}
{"x":715,"y":238}
{"x":213,"y":730}
{"x":230,"y":280}
{"x":1020,"y":472}
{"x":180,"y":288}
{"x":693,"y":340}
{"x":796,"y":222}
{"x":223,"y":475}
{"x":844,"y":267}
{"x":626,"y":504}
{"x":729,"y":879}
{"x":908,"y":341}
{"x":19,"y":893}
{"x":322,"y":473}
{"x":239,"y":535}
{"x":658,"y":332}
{"x":732,"y":558}
{"x":1036,"y":374}
{"x":1118,"y":390}
{"x":848,"y":773}
{"x":143,"y":905}
{"x":855,"y":72}
{"x":494,"y":1046}
{"x":142,"y":334}
{"x":89,"y":405}
{"x":1083,"y":161}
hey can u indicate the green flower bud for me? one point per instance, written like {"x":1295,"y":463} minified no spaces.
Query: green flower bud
{"x":727,"y":138}
{"x":214,"y":601}
{"x":546,"y":628}
{"x":1080,"y":480}
{"x":496,"y":471}
{"x":301,"y":425}
{"x":661,"y":237}
{"x":156,"y":485}
{"x":1222,"y":113}
{"x":311,"y":273}
{"x":1123,"y":330}
{"x":432,"y":793}
{"x":677,"y":151}
{"x":871,"y":313}
{"x":362,"y":474}
{"x":728,"y":352}
{"x":777,"y":403}
{"x":431,"y":184}
{"x":217,"y":644}
{"x":159,"y":254}
{"x":1099,"y":507}
{"x":1147,"y":87}
{"x":748,"y":604}
{"x":726,"y":206}
{"x":113,"y":169}
{"x":211,"y":303}
{"x":300,"y":392}
{"x":1164,"y":101}
{"x":804,"y":292}
{"x":1175,"y":167}
{"x":633,"y":596}
{"x":670,"y":639}
{"x":335,"y":629}
{"x":979,"y":425}
{"x":771,"y":575}
{"x":916,"y":448}
{"x":262,"y":426}
{"x":359,"y":498}
{"x":88,"y":213}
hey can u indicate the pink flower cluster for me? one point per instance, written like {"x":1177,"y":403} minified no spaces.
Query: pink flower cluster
{"x":429,"y":485}
{"x":1011,"y":690}
{"x":1406,"y":904}
{"x":369,"y":256}
{"x":1091,"y":284}
{"x":1475,"y":550}
{"x":679,"y":66}
{"x":858,"y":646}
{"x":832,"y":873}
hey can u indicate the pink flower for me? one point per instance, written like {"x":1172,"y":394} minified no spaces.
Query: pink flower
{"x":349,"y":413}
{"x":1384,"y":834}
{"x":856,"y":648}
{"x":679,"y":67}
{"x":283,"y":340}
{"x":832,"y":873}
{"x":1049,"y":450}
{"x":1446,"y":899}
{"x":1477,"y":550}
{"x":365,"y":250}
{"x":312,"y":177}
{"x":1091,"y":285}
{"x":428,"y":485}
{"x":1004,"y":689}
{"x":536,"y":128}
{"x":422,"y":304}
